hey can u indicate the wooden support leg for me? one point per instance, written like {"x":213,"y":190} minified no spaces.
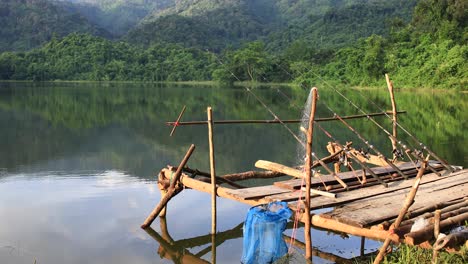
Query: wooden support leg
{"x":408,"y":202}
{"x":172,"y":191}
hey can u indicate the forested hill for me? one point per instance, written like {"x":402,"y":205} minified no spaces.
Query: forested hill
{"x":116,"y":16}
{"x":217,"y":24}
{"x":25,"y":24}
{"x":354,"y":42}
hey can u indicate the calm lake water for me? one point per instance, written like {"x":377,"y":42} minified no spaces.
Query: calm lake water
{"x":78,"y":163}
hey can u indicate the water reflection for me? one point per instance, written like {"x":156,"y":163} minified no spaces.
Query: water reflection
{"x":179,"y":252}
{"x":77,"y":162}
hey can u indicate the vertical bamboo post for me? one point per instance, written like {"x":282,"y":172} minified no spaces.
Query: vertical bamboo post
{"x":394,"y":115}
{"x":212,"y":170}
{"x":213,"y":248}
{"x":308,"y":167}
{"x":408,"y":202}
{"x":436,"y":223}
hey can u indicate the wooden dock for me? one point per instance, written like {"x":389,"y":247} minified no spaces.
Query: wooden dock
{"x":365,"y":210}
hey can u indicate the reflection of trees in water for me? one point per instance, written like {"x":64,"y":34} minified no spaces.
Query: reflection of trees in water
{"x":122,"y":123}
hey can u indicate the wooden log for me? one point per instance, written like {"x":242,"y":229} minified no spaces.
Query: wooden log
{"x":408,"y":202}
{"x":176,"y":124}
{"x":415,"y":213}
{"x":268,"y":165}
{"x":172,"y":190}
{"x":415,"y":238}
{"x":212,"y":171}
{"x":453,"y":240}
{"x":220,"y":191}
{"x":409,"y":222}
{"x":449,"y":208}
{"x":308,"y":169}
{"x":404,"y":229}
{"x":394,"y":117}
{"x":334,"y":225}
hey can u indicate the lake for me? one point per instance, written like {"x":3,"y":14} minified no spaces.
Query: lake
{"x":78,"y":163}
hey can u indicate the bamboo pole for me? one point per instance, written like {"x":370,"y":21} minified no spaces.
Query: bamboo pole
{"x":404,"y":229}
{"x":308,"y":168}
{"x":274,"y":121}
{"x":273,"y":166}
{"x":437,"y":223}
{"x":457,"y":207}
{"x":394,"y":116}
{"x":212,"y":170}
{"x":331,"y":224}
{"x":171,"y":191}
{"x":213,"y":248}
{"x":408,"y":202}
{"x":176,"y":123}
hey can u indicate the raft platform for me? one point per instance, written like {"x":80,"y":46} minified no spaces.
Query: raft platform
{"x":381,"y":200}
{"x":366,"y":210}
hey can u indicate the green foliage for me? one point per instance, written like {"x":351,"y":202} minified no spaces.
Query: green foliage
{"x":84,"y":57}
{"x":117,"y":17}
{"x":29,"y":23}
{"x":414,"y":255}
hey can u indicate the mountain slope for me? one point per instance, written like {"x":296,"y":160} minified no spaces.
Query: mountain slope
{"x":217,"y":24}
{"x":116,"y":16}
{"x":29,"y":23}
{"x":208,"y":24}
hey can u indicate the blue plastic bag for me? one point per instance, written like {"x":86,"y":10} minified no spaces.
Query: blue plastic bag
{"x":263,"y":233}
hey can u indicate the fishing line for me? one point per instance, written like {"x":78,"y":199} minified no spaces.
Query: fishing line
{"x":448,"y":167}
{"x":262,"y":103}
{"x":388,"y":133}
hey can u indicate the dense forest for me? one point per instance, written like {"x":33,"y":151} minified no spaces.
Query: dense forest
{"x":420,"y":43}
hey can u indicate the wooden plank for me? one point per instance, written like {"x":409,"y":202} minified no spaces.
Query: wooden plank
{"x":256,"y":192}
{"x":372,"y":210}
{"x":346,"y":197}
{"x":349,"y":175}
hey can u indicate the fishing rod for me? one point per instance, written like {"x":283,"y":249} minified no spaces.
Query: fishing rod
{"x":448,"y":167}
{"x":380,"y":155}
{"x":368,"y":115}
{"x":263,"y":104}
{"x":352,"y":156}
{"x":424,"y":147}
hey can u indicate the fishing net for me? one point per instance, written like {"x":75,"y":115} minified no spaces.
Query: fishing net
{"x":263,"y":233}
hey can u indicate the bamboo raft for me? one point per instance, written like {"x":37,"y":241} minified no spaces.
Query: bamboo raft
{"x":365,"y":210}
{"x":381,"y":201}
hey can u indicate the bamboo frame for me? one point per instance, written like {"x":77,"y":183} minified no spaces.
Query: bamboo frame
{"x":290,"y":121}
